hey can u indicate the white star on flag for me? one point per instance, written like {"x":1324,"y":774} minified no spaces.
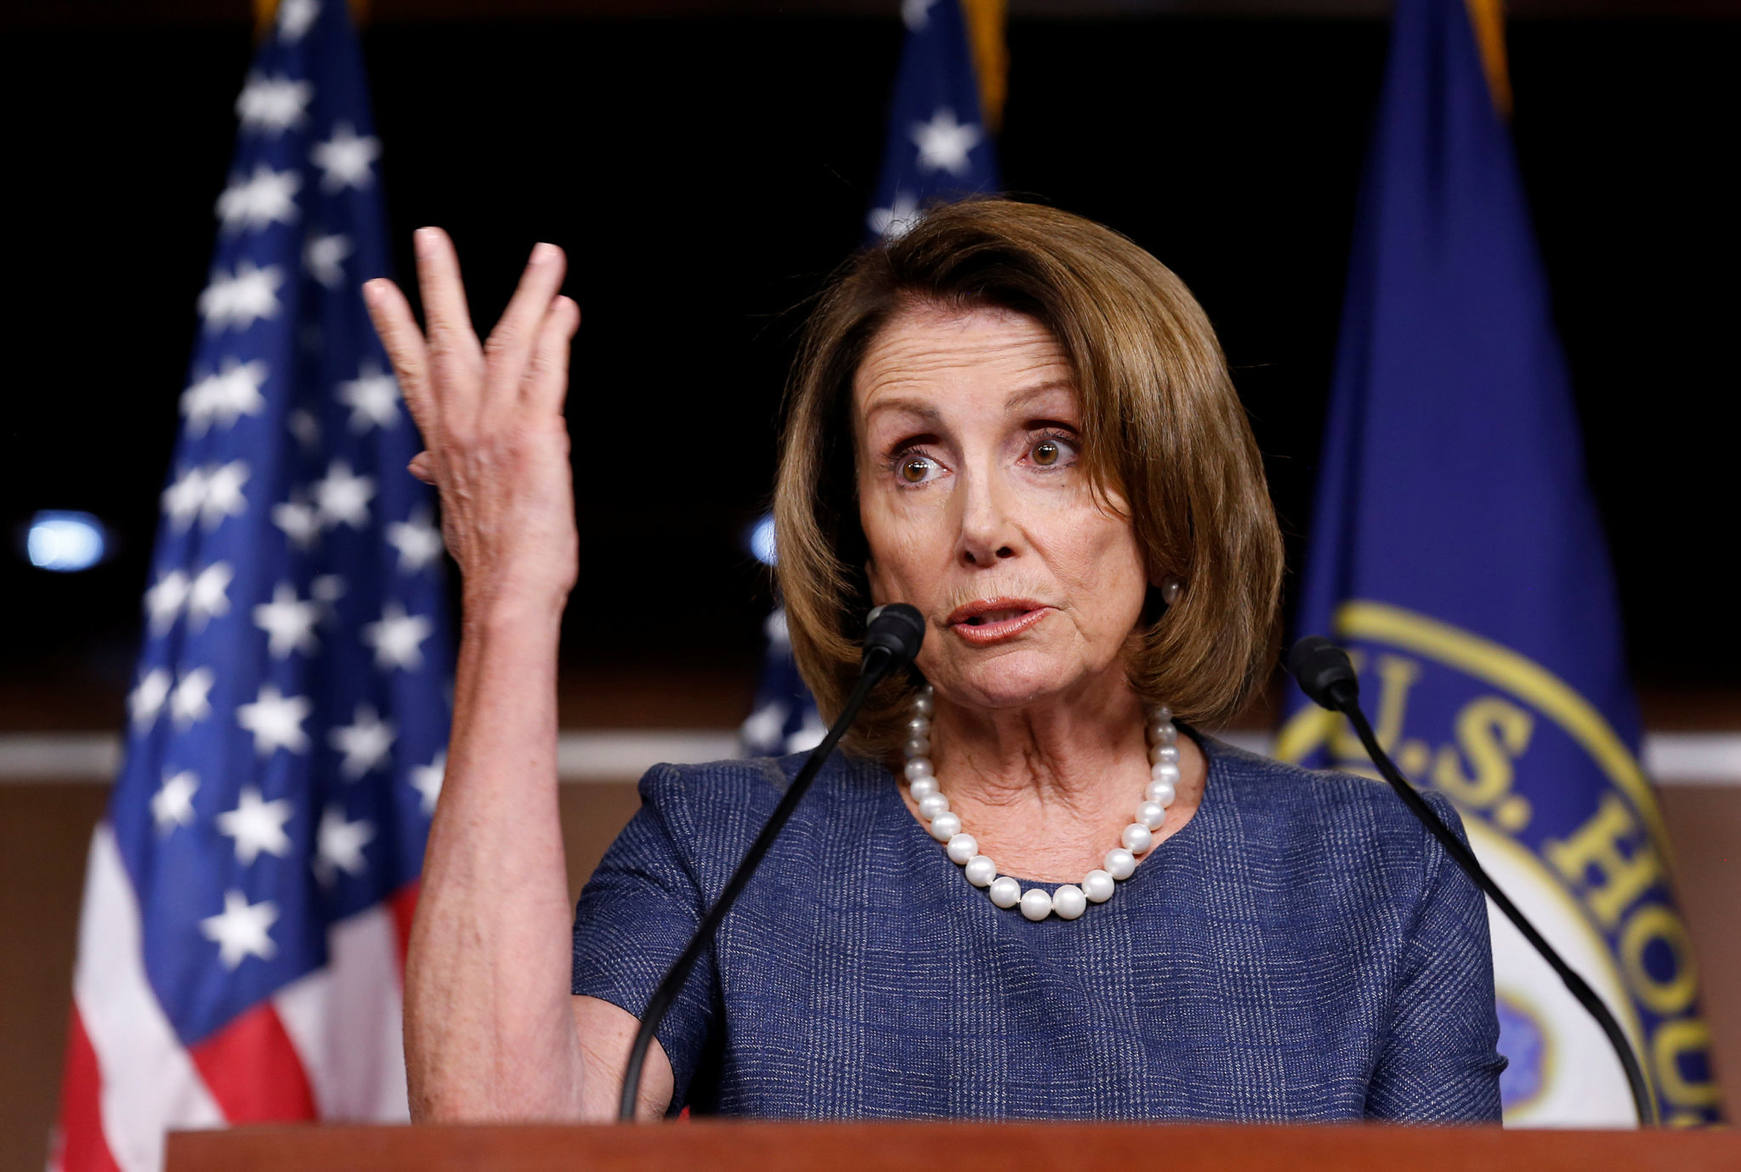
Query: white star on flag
{"x":427,"y":779}
{"x":223,"y":493}
{"x":257,"y":825}
{"x":345,"y":159}
{"x":809,"y":736}
{"x":268,"y":197}
{"x":240,"y":299}
{"x":304,"y":426}
{"x":364,"y":743}
{"x":146,"y":699}
{"x":208,"y":595}
{"x":417,"y":540}
{"x":225,"y":397}
{"x":943,"y":143}
{"x":328,"y":588}
{"x":183,"y":498}
{"x":339,"y":845}
{"x":373,"y":398}
{"x":299,"y":520}
{"x":190,"y":699}
{"x":894,"y":222}
{"x":323,"y":255}
{"x":288,"y":622}
{"x":275,"y":720}
{"x":295,"y":17}
{"x":397,"y":638}
{"x":242,"y":929}
{"x":916,"y":14}
{"x":272,"y":104}
{"x":343,"y":497}
{"x":765,"y":724}
{"x":172,"y":804}
{"x":164,"y":599}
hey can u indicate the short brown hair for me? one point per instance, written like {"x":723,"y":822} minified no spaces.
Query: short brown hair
{"x":1161,"y":425}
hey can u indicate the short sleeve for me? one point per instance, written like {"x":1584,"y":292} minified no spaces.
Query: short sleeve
{"x":1440,"y":1063}
{"x":635,"y":916}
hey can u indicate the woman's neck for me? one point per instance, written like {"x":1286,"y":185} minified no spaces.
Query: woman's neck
{"x":1046,"y":789}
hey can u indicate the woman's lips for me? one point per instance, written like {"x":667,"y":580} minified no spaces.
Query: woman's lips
{"x":994,"y":626}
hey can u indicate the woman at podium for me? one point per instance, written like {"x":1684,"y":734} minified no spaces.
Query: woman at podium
{"x":1030,"y":883}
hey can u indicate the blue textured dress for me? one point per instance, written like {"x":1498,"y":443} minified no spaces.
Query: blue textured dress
{"x":1301,"y":950}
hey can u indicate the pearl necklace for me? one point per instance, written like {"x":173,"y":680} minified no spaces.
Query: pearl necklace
{"x":1070,"y":900}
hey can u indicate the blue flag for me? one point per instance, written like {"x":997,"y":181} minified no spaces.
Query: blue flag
{"x":1456,"y":550}
{"x":249,"y":887}
{"x":938,"y":149}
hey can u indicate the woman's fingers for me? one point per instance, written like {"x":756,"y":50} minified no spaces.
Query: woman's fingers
{"x":511,"y":344}
{"x":546,"y":379}
{"x":403,"y":341}
{"x":454,"y":358}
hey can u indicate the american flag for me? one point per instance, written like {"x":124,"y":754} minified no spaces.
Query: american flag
{"x":249,"y":889}
{"x":938,"y":149}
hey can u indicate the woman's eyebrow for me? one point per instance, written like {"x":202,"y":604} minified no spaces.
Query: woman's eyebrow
{"x":1040,"y":390}
{"x":917,"y":407}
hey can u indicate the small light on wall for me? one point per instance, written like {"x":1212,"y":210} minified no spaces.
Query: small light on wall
{"x":65,"y":541}
{"x":761,"y":539}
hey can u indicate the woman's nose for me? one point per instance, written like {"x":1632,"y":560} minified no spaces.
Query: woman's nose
{"x":988,"y":532}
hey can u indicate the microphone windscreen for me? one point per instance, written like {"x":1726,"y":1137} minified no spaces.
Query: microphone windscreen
{"x":1320,"y":666}
{"x":898,"y":628}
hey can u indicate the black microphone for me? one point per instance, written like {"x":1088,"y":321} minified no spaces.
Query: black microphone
{"x":1327,"y":678}
{"x":892,"y":637}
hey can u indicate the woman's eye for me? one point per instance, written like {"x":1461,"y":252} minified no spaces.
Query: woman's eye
{"x":916,"y":469}
{"x":1052,"y":451}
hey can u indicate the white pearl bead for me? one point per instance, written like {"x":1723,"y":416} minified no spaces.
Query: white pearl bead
{"x":980,"y":870}
{"x":1151,"y":814}
{"x":927,"y":691}
{"x":962,"y":847}
{"x":1069,"y":902}
{"x":1036,"y":904}
{"x":923,"y":705}
{"x":1097,"y":886}
{"x":1162,"y":793}
{"x":1166,"y":771}
{"x":1160,"y":712}
{"x":930,"y":807}
{"x":916,"y":747}
{"x":1155,"y":752}
{"x":1005,"y":892}
{"x":1165,"y":753}
{"x":945,"y":826}
{"x":1120,"y":863}
{"x":916,"y":768}
{"x":918,"y":727}
{"x":1137,"y":838}
{"x":923,"y":788}
{"x":1162,"y":732}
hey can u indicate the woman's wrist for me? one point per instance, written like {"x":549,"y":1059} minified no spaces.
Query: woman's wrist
{"x":488,"y":610}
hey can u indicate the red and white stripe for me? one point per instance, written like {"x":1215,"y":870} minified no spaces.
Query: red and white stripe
{"x":327,"y":1046}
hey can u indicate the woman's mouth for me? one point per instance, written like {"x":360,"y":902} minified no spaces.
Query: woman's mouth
{"x":993,"y":620}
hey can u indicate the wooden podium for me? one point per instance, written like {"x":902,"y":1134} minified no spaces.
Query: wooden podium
{"x":841,"y":1147}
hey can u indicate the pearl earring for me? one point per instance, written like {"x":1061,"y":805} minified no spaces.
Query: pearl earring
{"x":1171,"y":589}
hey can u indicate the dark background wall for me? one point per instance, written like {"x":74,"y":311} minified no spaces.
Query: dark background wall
{"x":705,"y":170}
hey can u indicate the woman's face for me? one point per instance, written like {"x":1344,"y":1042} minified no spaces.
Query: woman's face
{"x":976,"y":510}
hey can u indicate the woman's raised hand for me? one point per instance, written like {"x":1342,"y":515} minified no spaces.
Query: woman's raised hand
{"x":491,"y":418}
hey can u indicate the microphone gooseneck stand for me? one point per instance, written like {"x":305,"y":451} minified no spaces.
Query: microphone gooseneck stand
{"x":891,"y":641}
{"x":1327,"y":678}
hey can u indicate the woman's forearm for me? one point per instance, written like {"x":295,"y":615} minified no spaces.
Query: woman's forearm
{"x":489,"y":1032}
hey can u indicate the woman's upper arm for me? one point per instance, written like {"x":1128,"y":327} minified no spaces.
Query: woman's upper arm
{"x":1440,"y":1063}
{"x":606,"y":1032}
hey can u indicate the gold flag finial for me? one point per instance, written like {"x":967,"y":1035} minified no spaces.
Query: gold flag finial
{"x":1488,"y":19}
{"x":991,"y":56}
